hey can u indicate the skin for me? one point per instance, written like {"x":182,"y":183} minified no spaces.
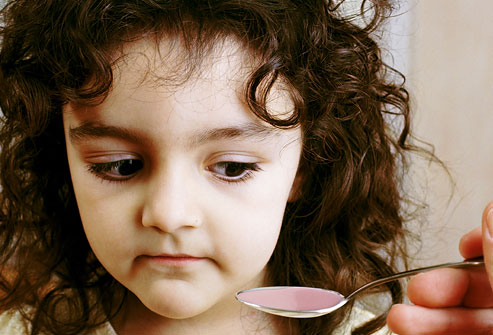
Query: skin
{"x":452,"y":301}
{"x":181,"y":189}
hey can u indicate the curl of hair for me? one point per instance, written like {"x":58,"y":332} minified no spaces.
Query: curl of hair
{"x":345,"y":228}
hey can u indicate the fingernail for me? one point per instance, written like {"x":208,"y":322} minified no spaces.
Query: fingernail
{"x":489,"y":223}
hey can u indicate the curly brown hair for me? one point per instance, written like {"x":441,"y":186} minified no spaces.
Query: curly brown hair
{"x":346,"y":227}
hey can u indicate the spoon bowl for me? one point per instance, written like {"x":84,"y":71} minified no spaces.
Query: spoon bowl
{"x":292,"y":301}
{"x":309,"y":302}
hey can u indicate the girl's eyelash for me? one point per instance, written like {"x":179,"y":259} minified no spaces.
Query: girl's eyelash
{"x":248,"y":170}
{"x":244,"y":178}
{"x":104,"y":170}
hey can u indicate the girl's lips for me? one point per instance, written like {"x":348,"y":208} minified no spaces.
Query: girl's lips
{"x":172,"y":260}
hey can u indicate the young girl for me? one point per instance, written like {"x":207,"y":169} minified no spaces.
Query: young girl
{"x":159,"y":156}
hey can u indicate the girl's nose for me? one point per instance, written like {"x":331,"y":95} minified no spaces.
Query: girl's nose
{"x":171,"y":204}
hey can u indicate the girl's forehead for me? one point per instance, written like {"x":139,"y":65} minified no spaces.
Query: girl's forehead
{"x":168,"y":62}
{"x":168,"y":67}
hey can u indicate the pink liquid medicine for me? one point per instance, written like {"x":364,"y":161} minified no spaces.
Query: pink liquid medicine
{"x":291,"y":298}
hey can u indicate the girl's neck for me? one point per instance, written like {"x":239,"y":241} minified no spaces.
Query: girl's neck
{"x":135,"y":318}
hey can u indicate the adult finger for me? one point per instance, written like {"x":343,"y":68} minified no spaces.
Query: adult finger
{"x":487,"y":233}
{"x":471,"y":244}
{"x":417,"y":320}
{"x":451,"y":287}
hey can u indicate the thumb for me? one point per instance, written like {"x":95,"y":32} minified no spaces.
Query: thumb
{"x":487,"y":233}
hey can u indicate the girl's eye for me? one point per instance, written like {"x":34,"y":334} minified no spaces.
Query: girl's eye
{"x":233,"y":171}
{"x":118,"y":170}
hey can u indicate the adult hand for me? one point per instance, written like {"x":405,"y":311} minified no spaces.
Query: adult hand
{"x":452,"y":301}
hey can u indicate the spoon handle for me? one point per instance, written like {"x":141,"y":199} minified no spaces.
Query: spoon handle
{"x":466,"y":263}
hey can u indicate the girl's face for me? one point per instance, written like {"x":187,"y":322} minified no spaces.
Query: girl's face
{"x":181,"y":189}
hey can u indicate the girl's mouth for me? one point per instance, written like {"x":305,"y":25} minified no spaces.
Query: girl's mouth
{"x":172,"y":259}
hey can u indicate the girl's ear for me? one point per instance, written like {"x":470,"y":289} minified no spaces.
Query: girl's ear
{"x":296,"y":188}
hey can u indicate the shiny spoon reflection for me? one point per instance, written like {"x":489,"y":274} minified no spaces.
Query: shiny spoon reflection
{"x":309,"y":302}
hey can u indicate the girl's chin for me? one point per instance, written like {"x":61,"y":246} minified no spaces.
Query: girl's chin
{"x":172,"y":308}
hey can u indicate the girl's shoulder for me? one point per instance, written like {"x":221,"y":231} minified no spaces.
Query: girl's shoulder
{"x":13,"y":322}
{"x":358,"y":316}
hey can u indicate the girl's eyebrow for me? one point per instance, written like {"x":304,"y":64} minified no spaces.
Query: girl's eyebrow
{"x":250,"y":130}
{"x":88,"y":130}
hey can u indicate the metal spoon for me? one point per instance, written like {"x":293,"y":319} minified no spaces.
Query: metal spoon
{"x":309,"y":302}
